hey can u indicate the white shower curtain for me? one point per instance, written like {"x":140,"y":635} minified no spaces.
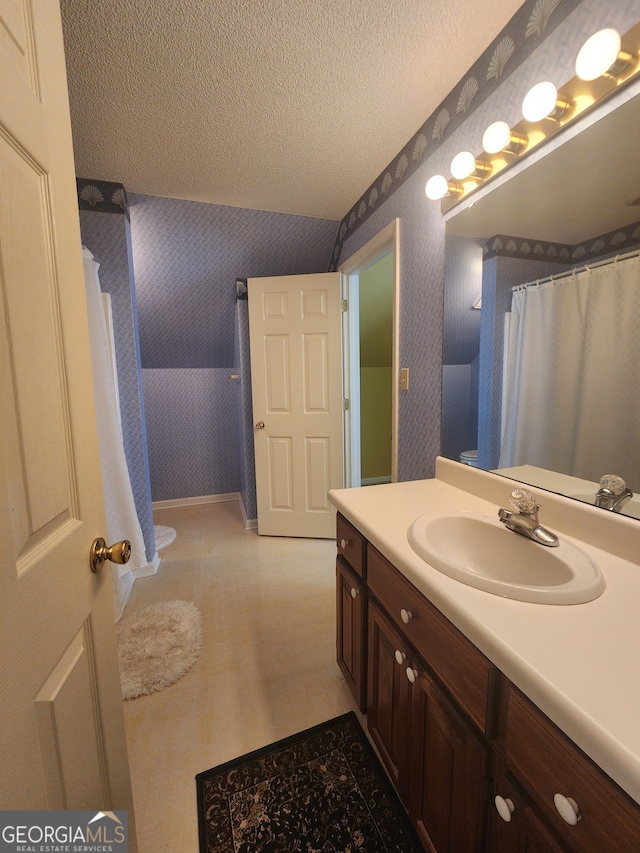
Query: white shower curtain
{"x":120,"y":511}
{"x":573,"y":374}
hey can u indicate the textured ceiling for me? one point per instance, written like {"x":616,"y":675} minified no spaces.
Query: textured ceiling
{"x":282,"y":105}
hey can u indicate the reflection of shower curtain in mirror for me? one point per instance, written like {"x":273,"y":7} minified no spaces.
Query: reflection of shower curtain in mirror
{"x":573,"y":374}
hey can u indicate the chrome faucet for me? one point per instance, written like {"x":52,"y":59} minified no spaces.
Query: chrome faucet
{"x":613,"y":493}
{"x":525,"y":520}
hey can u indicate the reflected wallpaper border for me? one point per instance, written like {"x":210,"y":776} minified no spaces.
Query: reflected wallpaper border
{"x":619,"y":240}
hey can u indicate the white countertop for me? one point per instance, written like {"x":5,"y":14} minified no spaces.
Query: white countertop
{"x":580,"y":664}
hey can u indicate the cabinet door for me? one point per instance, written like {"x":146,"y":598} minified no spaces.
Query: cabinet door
{"x":449,"y":771}
{"x":388,"y":702}
{"x":516,"y":826}
{"x":351,"y":633}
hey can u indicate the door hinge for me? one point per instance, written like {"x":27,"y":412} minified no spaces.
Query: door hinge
{"x":344,"y":304}
{"x":345,"y":405}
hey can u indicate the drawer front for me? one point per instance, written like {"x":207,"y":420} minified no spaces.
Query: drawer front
{"x":351,"y":546}
{"x":464,"y":671}
{"x":547,"y":763}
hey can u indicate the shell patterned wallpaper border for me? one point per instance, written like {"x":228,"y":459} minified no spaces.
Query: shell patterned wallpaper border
{"x":619,"y":240}
{"x":531,"y":24}
{"x":102,"y":196}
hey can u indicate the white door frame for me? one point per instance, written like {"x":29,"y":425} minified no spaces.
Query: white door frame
{"x":386,"y":241}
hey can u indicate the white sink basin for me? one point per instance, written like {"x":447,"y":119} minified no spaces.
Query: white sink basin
{"x":480,"y":551}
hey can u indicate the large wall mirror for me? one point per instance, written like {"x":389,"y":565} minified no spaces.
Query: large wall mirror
{"x":545,"y":385}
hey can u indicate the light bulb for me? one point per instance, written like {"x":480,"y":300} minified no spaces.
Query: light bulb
{"x":598,"y":54}
{"x":437,"y":187}
{"x":496,"y":137}
{"x":463,"y":165}
{"x":540,"y":101}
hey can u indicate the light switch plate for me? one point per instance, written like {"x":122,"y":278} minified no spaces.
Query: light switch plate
{"x":404,"y":379}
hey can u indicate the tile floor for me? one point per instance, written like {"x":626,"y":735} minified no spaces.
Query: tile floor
{"x":267,"y":667}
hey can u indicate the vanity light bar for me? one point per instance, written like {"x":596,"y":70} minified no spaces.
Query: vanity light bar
{"x":600,"y":56}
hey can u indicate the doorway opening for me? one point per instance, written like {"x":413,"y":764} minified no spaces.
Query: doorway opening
{"x":371,"y":286}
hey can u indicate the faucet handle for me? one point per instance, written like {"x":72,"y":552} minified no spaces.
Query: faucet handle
{"x":523,"y":501}
{"x":613,"y":484}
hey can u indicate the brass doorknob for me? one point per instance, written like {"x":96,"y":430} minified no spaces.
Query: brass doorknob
{"x":260,"y":425}
{"x":100,"y":553}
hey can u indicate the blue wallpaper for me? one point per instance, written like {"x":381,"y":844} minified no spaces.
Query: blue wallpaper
{"x":459,"y":409}
{"x":463,"y":263}
{"x":107,"y":237}
{"x":461,"y":345}
{"x":187,"y":256}
{"x":422,"y":231}
{"x":191,"y":431}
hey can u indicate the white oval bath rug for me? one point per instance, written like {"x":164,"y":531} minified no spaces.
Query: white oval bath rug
{"x":157,"y":646}
{"x":163,"y":535}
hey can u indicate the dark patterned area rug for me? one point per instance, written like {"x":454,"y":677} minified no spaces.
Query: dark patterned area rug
{"x":320,"y":791}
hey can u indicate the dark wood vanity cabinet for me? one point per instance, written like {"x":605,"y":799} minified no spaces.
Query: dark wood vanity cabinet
{"x":448,"y":774}
{"x":432,"y":751}
{"x":475,"y":762}
{"x":351,"y":610}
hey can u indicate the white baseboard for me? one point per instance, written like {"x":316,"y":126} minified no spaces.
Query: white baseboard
{"x":148,"y":569}
{"x":200,"y":499}
{"x":375,"y":481}
{"x":126,"y":582}
{"x":249,"y":523}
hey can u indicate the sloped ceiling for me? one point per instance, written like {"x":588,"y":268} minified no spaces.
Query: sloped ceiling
{"x":282,"y":105}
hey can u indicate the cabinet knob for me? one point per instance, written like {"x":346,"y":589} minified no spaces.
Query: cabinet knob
{"x":344,"y":543}
{"x":567,"y":809}
{"x":354,"y":592}
{"x":505,"y":808}
{"x":400,"y":656}
{"x":405,"y":615}
{"x":412,"y":674}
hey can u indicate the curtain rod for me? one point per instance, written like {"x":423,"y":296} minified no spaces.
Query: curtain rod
{"x":575,"y":270}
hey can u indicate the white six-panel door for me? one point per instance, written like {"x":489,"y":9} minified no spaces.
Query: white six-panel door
{"x":62,"y":739}
{"x":296,"y":377}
